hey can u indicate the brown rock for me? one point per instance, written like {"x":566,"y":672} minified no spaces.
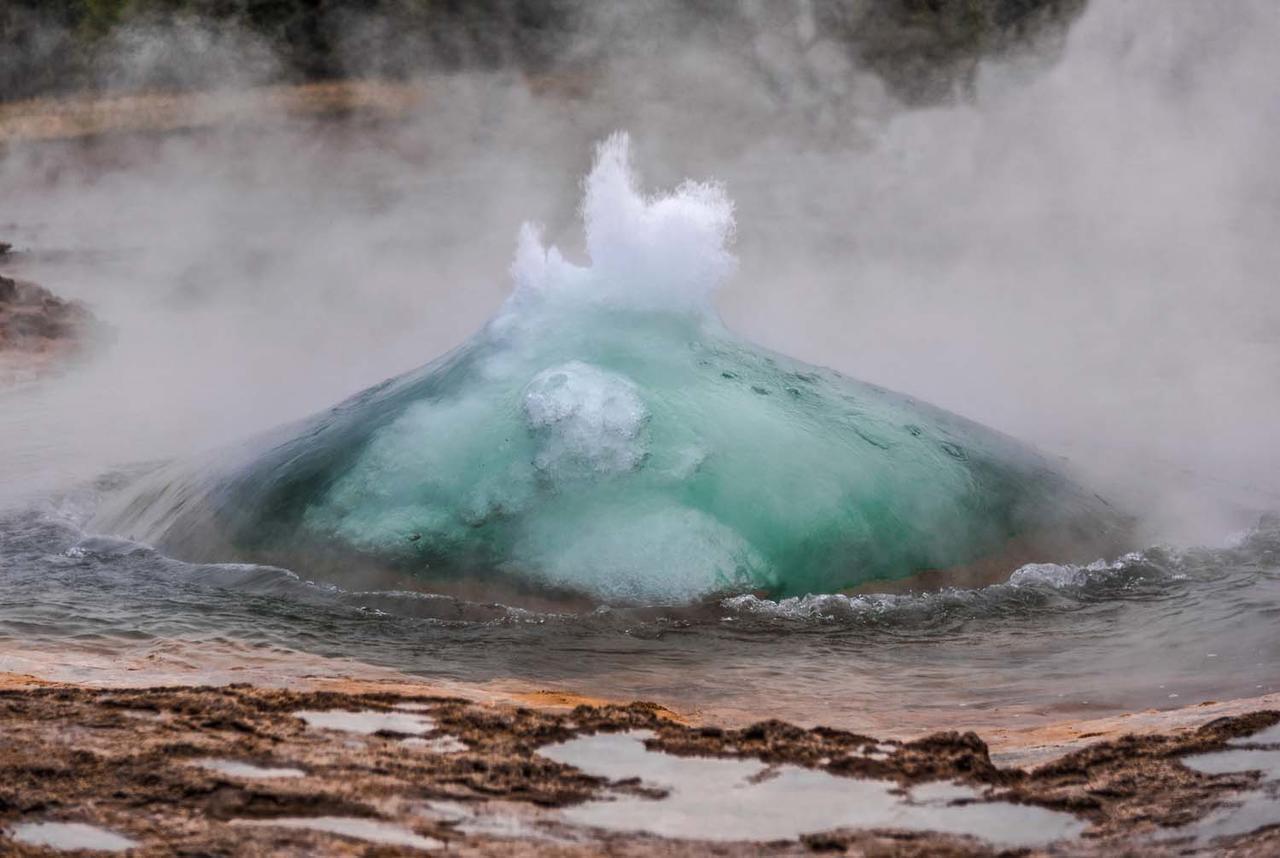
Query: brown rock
{"x":128,"y":759}
{"x":32,"y":318}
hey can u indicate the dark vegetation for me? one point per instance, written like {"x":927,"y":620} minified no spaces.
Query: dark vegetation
{"x":924,"y":49}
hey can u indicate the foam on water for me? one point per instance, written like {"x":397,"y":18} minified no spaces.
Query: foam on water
{"x":1060,"y":576}
{"x":1035,"y":580}
{"x":1035,"y":648}
{"x":663,"y":252}
{"x":588,"y":422}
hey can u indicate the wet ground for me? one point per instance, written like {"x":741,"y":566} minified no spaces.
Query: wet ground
{"x":251,"y":770}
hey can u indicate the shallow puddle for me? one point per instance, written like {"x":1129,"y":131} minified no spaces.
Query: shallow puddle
{"x":1254,"y":809}
{"x":368,"y":722}
{"x":506,"y":820}
{"x":1269,"y":736}
{"x":248,"y":771}
{"x":1236,"y":760}
{"x":69,"y":836}
{"x":729,"y":799}
{"x":370,"y":830}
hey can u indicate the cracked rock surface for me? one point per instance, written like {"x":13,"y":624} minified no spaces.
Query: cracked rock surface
{"x":134,"y":761}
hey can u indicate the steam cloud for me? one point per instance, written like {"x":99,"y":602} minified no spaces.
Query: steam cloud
{"x":1081,"y":252}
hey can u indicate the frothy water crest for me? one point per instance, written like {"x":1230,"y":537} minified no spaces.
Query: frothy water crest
{"x":658,"y":253}
{"x":1156,"y":628}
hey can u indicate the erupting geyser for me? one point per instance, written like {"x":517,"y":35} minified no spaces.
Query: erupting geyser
{"x":605,"y":434}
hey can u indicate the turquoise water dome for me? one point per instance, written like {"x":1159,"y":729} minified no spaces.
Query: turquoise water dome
{"x":606,"y":435}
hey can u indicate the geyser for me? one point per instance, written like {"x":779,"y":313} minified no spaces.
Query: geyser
{"x":606,"y":435}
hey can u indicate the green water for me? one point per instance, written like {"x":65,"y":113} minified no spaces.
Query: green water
{"x":606,"y":435}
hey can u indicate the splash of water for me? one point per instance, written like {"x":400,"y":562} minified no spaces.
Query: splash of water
{"x":605,"y":434}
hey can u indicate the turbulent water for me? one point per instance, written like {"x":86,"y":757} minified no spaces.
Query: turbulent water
{"x":650,"y":505}
{"x":605,"y":435}
{"x":1157,"y":628}
{"x":647,"y":474}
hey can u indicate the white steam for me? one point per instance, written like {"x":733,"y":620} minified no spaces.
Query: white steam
{"x":1083,"y":254}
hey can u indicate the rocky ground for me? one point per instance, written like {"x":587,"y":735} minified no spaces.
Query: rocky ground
{"x":464,"y":776}
{"x":38,"y":330}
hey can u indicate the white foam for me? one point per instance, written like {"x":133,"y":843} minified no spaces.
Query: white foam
{"x":668,"y":250}
{"x":1049,"y":574}
{"x":588,"y":421}
{"x":1070,"y":575}
{"x":668,"y":554}
{"x":829,"y":606}
{"x":822,"y":606}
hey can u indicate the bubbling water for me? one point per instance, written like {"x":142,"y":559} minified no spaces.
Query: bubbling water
{"x":606,"y":435}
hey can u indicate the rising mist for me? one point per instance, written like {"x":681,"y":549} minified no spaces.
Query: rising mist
{"x":1074,"y":244}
